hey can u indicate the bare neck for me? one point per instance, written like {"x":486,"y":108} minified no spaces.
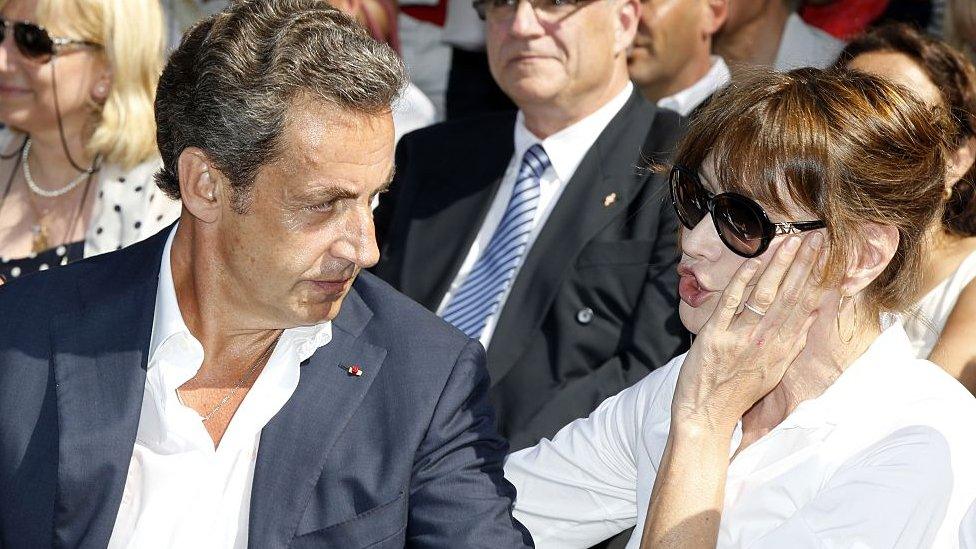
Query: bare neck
{"x":547,"y":118}
{"x":756,"y":42}
{"x":49,"y":161}
{"x":691,"y":72}
{"x":824,"y":358}
{"x":213,"y":316}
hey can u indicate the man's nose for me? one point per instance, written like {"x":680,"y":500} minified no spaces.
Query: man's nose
{"x":525,"y":21}
{"x":358,"y":243}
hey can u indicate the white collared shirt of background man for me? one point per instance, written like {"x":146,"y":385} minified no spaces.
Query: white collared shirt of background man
{"x":688,"y":99}
{"x":180,"y":491}
{"x":883,"y":458}
{"x":804,"y":45}
{"x":566,"y":149}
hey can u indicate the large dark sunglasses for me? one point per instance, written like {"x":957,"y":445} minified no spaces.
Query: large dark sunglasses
{"x":740,"y":222}
{"x":35,"y":43}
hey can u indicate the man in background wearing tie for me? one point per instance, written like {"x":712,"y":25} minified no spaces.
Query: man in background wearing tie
{"x":542,"y":233}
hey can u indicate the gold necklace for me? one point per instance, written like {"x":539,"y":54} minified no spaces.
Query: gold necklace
{"x":40,"y":235}
{"x":39,"y":232}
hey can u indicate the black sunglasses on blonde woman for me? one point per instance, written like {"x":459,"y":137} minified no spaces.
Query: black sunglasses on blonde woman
{"x":740,"y":222}
{"x":35,"y":42}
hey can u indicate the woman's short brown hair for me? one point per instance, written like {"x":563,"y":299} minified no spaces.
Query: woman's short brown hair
{"x":848,"y":148}
{"x":954,"y":75}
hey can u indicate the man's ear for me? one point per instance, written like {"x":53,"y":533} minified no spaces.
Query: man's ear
{"x":870,"y":257}
{"x":960,"y":161}
{"x":716,"y":12}
{"x":627,"y":17}
{"x":200,"y":188}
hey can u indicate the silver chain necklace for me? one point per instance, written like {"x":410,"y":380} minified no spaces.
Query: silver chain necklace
{"x":240,"y":383}
{"x":44,"y":192}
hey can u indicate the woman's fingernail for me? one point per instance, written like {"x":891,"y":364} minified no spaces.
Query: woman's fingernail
{"x":753,"y":264}
{"x":792,"y":243}
{"x":817,"y":240}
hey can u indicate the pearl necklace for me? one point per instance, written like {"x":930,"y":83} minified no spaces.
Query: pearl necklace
{"x":44,"y":192}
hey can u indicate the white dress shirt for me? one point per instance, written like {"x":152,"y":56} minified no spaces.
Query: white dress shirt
{"x":180,"y":491}
{"x":804,"y":45}
{"x":883,"y":458}
{"x":566,"y":150}
{"x":686,"y":100}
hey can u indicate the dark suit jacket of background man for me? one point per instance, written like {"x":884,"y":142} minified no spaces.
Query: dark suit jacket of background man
{"x":407,"y":453}
{"x":594,"y":307}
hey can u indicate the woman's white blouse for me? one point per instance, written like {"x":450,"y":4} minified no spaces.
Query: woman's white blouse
{"x":885,"y":457}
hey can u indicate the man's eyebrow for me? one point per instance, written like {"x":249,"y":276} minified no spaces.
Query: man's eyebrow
{"x":389,"y":181}
{"x":328,"y":192}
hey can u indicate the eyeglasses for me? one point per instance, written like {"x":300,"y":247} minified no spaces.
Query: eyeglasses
{"x":740,"y":222}
{"x":505,"y":9}
{"x":35,"y":42}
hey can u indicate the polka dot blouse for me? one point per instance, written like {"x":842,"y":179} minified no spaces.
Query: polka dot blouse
{"x":129,"y":207}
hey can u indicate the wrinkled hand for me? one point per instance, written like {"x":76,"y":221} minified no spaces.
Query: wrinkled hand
{"x":739,"y":355}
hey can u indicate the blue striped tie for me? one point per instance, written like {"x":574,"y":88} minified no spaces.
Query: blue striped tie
{"x":481,"y":292}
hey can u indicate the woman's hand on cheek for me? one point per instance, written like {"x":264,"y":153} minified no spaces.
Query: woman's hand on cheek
{"x":740,"y":355}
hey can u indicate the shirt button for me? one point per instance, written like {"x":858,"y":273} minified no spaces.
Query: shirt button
{"x":584,"y":316}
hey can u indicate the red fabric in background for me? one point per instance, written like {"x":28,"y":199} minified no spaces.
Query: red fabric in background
{"x":431,"y":14}
{"x":844,"y":18}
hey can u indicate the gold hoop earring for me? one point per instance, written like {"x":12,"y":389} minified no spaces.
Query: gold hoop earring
{"x":846,"y":340}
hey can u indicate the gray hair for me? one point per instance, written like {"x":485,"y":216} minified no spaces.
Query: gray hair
{"x":228,"y":87}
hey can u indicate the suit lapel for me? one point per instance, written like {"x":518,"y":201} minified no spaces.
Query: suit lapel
{"x":294,"y":445}
{"x":608,"y":168}
{"x":99,"y":358}
{"x":451,"y":211}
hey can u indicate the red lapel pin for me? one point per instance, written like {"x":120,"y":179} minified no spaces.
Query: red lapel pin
{"x":353,"y":370}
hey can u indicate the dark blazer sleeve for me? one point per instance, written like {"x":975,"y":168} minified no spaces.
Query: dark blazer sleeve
{"x":459,"y":496}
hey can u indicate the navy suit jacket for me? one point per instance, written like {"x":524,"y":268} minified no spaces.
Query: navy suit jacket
{"x":407,"y":454}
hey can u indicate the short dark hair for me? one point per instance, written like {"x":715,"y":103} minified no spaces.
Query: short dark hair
{"x":954,"y":75}
{"x":847,"y":147}
{"x":228,"y":86}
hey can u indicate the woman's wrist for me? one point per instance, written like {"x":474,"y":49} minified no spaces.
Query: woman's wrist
{"x":696,"y":425}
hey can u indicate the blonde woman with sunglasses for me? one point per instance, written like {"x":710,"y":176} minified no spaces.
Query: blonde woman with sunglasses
{"x":78,"y":152}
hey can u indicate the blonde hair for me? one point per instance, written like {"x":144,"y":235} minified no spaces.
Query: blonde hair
{"x":133,"y":38}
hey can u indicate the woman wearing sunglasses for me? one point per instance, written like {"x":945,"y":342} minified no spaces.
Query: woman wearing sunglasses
{"x":799,"y":417}
{"x":78,"y":155}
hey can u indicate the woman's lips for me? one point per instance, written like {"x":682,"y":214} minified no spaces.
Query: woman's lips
{"x":690,"y":290}
{"x":6,"y":89}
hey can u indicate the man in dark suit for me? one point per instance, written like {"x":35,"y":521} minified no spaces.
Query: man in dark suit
{"x":234,"y":381}
{"x":545,"y":234}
